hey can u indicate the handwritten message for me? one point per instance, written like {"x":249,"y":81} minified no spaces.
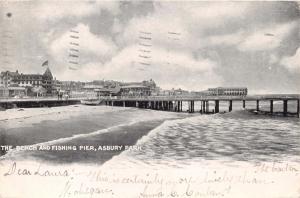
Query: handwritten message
{"x":270,"y":179}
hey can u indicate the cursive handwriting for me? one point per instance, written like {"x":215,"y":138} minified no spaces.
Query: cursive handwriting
{"x":275,"y":167}
{"x":13,"y":170}
{"x":84,"y":189}
{"x":207,"y":183}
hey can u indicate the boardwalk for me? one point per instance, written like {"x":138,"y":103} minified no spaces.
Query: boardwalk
{"x":36,"y":102}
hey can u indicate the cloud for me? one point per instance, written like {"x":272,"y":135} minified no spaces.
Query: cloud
{"x":221,"y":11}
{"x":88,"y":72}
{"x":194,"y":21}
{"x":159,"y":28}
{"x":219,"y":43}
{"x":267,"y":38}
{"x":292,"y":63}
{"x":204,"y":14}
{"x":169,"y":68}
{"x":117,"y":26}
{"x":94,"y":50}
{"x":227,"y":39}
{"x":90,"y":45}
{"x":55,"y":10}
{"x":273,"y":59}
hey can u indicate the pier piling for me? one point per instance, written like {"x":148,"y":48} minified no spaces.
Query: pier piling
{"x":201,"y":111}
{"x":230,"y":105}
{"x":285,"y":107}
{"x":216,"y":106}
{"x":298,"y":106}
{"x":203,"y":106}
{"x":191,"y":106}
{"x":180,"y":106}
{"x":207,"y":106}
{"x":271,"y":107}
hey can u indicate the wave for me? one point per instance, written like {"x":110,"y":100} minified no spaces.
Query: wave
{"x":67,"y":139}
{"x":239,"y":136}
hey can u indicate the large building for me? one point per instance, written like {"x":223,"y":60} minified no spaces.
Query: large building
{"x":7,"y":78}
{"x":228,"y":91}
{"x":13,"y":79}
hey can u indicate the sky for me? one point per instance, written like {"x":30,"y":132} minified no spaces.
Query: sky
{"x":179,"y":44}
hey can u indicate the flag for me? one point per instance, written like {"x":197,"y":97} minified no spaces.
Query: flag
{"x":45,"y":63}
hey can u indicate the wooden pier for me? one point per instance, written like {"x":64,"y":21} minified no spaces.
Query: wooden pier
{"x":168,"y":103}
{"x":36,"y":102}
{"x":174,"y":103}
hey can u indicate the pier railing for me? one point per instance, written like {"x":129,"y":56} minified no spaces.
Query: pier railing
{"x":165,"y":98}
{"x":200,"y":98}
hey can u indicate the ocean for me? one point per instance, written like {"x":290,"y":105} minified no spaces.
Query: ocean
{"x":167,"y":138}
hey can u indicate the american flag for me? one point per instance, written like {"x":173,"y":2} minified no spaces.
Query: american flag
{"x":45,"y":63}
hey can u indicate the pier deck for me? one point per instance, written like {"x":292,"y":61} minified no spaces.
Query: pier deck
{"x":174,"y":103}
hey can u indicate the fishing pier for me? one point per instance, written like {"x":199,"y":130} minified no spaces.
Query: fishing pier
{"x":207,"y":104}
{"x":174,"y":103}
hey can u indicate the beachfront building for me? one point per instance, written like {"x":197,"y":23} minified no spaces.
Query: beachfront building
{"x":17,"y":91}
{"x":3,"y":92}
{"x":56,"y":85}
{"x":16,"y":79}
{"x":172,"y":92}
{"x":47,"y":82}
{"x":13,"y":91}
{"x":138,"y":89}
{"x":111,"y":91}
{"x":228,"y":91}
{"x":8,"y":88}
{"x":90,"y":90}
{"x":71,"y":85}
{"x":19,"y":84}
{"x":7,"y":78}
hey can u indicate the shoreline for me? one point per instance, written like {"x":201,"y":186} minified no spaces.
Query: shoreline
{"x":86,"y":126}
